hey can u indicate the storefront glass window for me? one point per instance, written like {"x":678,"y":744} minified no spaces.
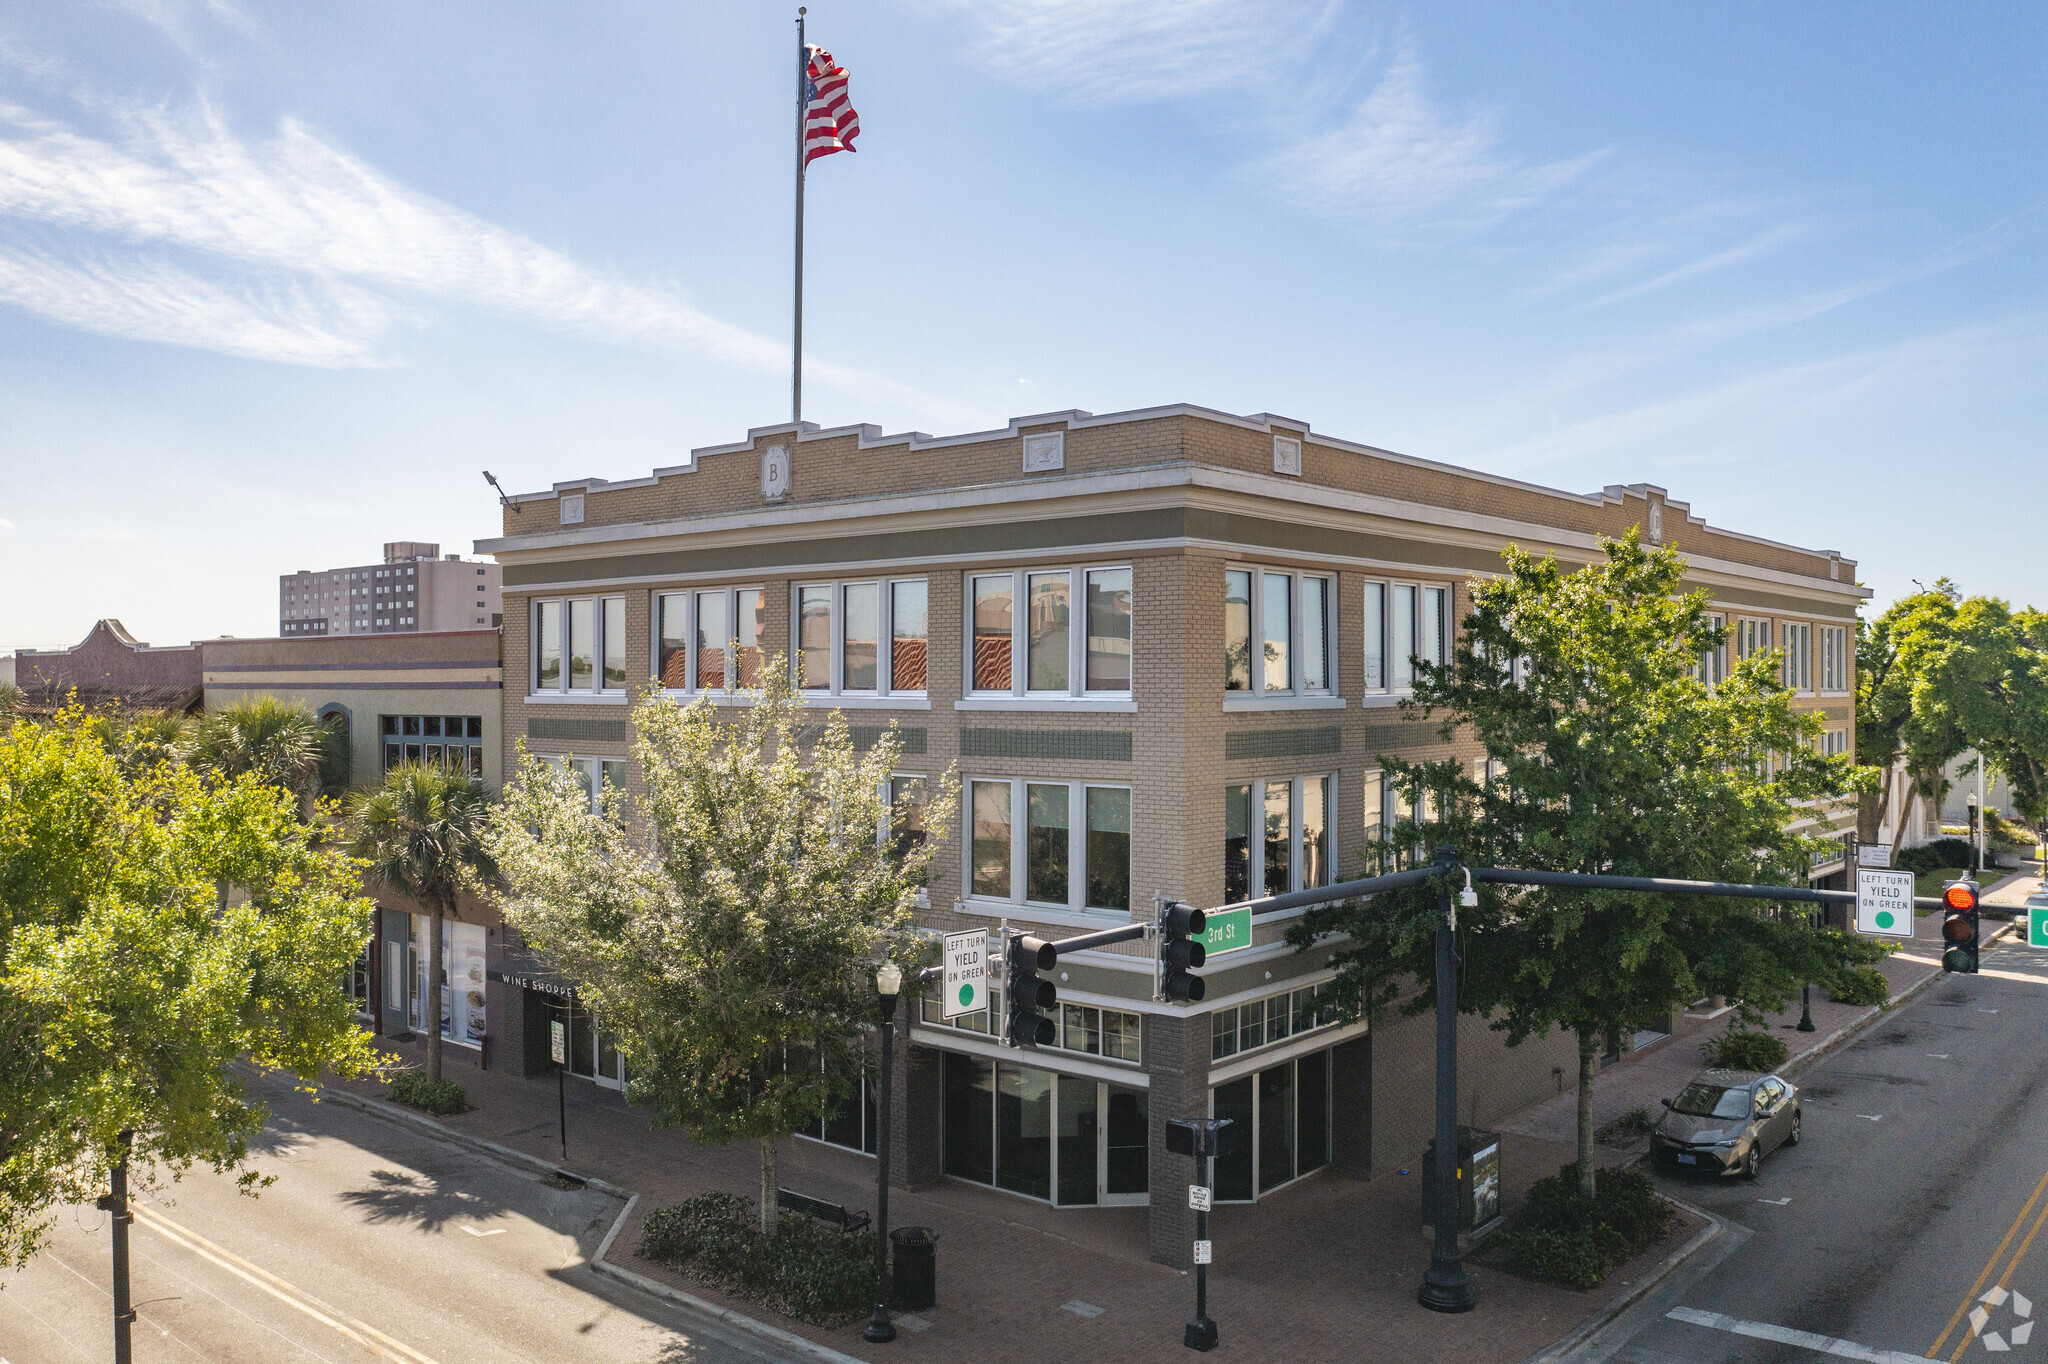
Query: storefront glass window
{"x":1077,"y":1140}
{"x":1024,"y":1130}
{"x":970,"y":1118}
{"x":1234,"y":1143}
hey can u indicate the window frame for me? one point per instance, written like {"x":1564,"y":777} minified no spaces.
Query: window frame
{"x":1015,"y":902}
{"x":1077,"y":688}
{"x":1795,"y":643}
{"x":885,"y":688}
{"x":657,"y":625}
{"x":1258,"y":693}
{"x":592,"y":770}
{"x":1447,"y":631}
{"x":597,"y":691}
{"x":1297,"y":786}
{"x":1834,"y":660}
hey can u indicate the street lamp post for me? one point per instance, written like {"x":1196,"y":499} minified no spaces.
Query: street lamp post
{"x":1445,"y":1287}
{"x":888,"y":984}
{"x":1976,"y":858}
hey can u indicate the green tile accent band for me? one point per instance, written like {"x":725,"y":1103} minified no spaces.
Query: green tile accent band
{"x":587,"y":731}
{"x":864,"y":737}
{"x":1282,"y":743}
{"x":1080,"y":745}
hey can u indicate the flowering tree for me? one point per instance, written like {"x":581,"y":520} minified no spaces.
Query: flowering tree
{"x":725,"y":925}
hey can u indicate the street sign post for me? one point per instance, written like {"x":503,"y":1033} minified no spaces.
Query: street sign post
{"x":966,"y":988}
{"x":1884,"y":902}
{"x":558,"y":1041}
{"x":1227,"y":930}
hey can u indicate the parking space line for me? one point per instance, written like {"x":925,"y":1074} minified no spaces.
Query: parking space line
{"x":1934,"y":1350}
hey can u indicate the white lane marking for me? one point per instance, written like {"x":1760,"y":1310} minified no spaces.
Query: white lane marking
{"x":1987,"y":1011}
{"x":361,"y":1332}
{"x":1872,"y":1116}
{"x":1781,"y":1202}
{"x":494,"y":1231}
{"x":1937,"y":1055}
{"x":1785,"y":1335}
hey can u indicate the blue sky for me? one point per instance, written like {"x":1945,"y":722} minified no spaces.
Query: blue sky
{"x":276,"y":282}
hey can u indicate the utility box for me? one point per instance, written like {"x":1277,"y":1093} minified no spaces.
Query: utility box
{"x":1478,"y":1180}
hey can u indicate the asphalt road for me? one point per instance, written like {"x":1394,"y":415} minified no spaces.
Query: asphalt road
{"x":374,"y":1243}
{"x":1919,"y":1194}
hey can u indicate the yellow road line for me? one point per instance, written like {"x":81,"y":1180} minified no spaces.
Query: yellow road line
{"x":2006,"y":1277}
{"x":369,"y":1337}
{"x":1989,"y":1265}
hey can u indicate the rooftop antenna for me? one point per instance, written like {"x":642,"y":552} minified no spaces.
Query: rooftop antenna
{"x":503,"y":500}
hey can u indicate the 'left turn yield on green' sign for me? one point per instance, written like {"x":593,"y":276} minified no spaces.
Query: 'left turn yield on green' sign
{"x":966,"y":973}
{"x":1884,"y":902}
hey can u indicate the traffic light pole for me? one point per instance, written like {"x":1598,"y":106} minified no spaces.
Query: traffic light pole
{"x":1445,"y":1287}
{"x":1201,"y":1332}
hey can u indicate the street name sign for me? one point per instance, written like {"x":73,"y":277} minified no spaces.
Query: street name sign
{"x":1203,"y":1254}
{"x":558,"y":1041}
{"x":966,"y":973}
{"x":1228,"y":930}
{"x":2037,"y":926}
{"x":1884,"y":902}
{"x":1873,"y":855}
{"x":1198,"y":1198}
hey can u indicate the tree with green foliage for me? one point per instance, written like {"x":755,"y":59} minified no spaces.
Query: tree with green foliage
{"x":278,"y":743}
{"x":725,"y":926}
{"x":127,"y":996}
{"x":1605,"y":753}
{"x":422,"y":834}
{"x":1893,"y":653}
{"x":1983,"y":685}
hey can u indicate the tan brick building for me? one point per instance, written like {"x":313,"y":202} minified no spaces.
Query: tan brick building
{"x":1162,"y":650}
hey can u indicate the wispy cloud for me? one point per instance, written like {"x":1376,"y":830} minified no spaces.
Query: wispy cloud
{"x":1761,"y":244}
{"x":1098,"y":52}
{"x":301,"y":210}
{"x":1399,"y":162}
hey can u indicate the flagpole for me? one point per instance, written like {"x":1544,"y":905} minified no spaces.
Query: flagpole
{"x":796,"y":370}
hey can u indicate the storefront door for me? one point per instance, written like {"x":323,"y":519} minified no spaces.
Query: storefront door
{"x":1072,"y":1140}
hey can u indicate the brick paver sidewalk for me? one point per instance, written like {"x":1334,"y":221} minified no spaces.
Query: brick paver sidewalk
{"x":1325,"y":1270}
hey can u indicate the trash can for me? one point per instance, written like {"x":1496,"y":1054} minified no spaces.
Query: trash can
{"x":914,"y":1274}
{"x":1478,"y":1184}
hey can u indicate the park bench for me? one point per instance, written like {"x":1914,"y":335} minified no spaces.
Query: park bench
{"x":834,"y":1213}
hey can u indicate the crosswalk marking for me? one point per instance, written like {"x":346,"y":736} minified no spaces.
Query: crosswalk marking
{"x":1785,"y":1335}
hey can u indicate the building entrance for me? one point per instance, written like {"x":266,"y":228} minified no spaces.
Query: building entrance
{"x":1071,"y":1140}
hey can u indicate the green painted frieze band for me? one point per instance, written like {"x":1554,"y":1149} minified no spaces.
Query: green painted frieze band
{"x":1081,"y":745}
{"x":587,"y":731}
{"x":1283,"y":743}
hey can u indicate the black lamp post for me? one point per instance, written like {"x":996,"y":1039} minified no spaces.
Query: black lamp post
{"x":1445,"y":1287}
{"x":1806,"y":1001}
{"x":888,"y":984}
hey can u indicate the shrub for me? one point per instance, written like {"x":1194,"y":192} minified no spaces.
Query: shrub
{"x":413,"y":1089}
{"x":1862,"y":985}
{"x":1952,"y":852}
{"x":1563,"y":1238}
{"x":1920,"y":861}
{"x":808,"y":1271}
{"x":1637,"y":1122}
{"x":1743,"y":1049}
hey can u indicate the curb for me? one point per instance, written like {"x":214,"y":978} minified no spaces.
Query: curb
{"x":1670,"y":1265}
{"x":406,"y":1118}
{"x":599,"y":1265}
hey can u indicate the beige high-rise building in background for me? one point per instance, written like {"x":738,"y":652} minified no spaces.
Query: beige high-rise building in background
{"x":413,"y":590}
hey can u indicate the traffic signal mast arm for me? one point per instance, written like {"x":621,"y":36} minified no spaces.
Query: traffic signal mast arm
{"x":1733,"y":890}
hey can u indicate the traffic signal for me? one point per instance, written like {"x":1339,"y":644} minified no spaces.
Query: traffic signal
{"x":1027,"y":994}
{"x":1179,"y":954}
{"x":1959,"y":926}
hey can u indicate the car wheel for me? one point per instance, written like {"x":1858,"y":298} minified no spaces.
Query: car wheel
{"x":1751,"y":1161}
{"x":1798,"y":1120}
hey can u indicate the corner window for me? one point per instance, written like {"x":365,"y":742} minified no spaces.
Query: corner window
{"x":861,"y":638}
{"x":580,"y":646}
{"x":1043,"y":649}
{"x":1404,"y":622}
{"x":1063,"y":845}
{"x":1834,"y":658}
{"x":1277,"y":836}
{"x":1276,"y":632}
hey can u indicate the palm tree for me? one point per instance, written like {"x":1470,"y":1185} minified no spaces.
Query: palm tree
{"x":277,"y":742}
{"x":421,"y":833}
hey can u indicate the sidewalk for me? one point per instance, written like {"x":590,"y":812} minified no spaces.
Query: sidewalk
{"x":1325,"y":1270}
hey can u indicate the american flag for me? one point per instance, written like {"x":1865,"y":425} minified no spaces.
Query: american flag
{"x":830,"y":124}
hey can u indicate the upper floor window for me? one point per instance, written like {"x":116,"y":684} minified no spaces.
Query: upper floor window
{"x":593,"y":776}
{"x":1798,"y":666}
{"x":1712,"y":668}
{"x":1024,"y":640}
{"x":1834,"y":658}
{"x":1752,"y":637}
{"x":1276,"y":836}
{"x":580,"y":645}
{"x":864,"y":638}
{"x":1288,"y":617}
{"x":1403,"y":622}
{"x":708,"y":640}
{"x":1060,"y":844}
